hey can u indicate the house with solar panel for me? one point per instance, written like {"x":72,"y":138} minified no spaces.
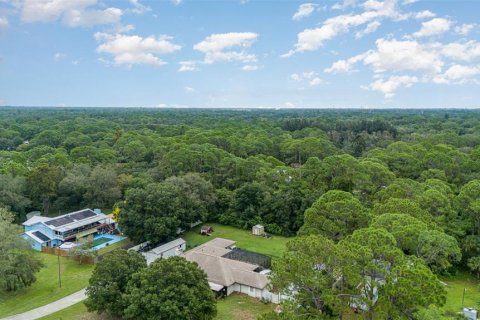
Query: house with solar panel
{"x":76,"y":227}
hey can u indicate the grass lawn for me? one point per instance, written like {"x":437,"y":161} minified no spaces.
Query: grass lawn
{"x":241,"y":307}
{"x":76,"y":312}
{"x":45,"y":289}
{"x":455,"y":285}
{"x":273,"y":246}
{"x":234,"y":307}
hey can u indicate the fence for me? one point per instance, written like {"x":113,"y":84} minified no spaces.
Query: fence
{"x":63,"y":253}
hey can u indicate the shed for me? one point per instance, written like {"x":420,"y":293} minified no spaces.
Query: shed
{"x":258,"y":230}
{"x":207,"y":230}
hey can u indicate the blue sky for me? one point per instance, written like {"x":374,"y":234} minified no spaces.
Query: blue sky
{"x":280,"y":54}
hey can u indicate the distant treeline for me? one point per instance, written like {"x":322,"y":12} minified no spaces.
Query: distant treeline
{"x":165,"y":169}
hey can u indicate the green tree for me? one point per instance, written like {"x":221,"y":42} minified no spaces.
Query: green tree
{"x":109,"y":279}
{"x":158,"y":211}
{"x":402,"y":206}
{"x":43,"y":185}
{"x":308,"y":272}
{"x":72,"y":188}
{"x":335,"y":215}
{"x":103,"y":190}
{"x":474,"y":265}
{"x":426,"y":241}
{"x":172,"y":289}
{"x":468,"y":204}
{"x":18,"y":265}
{"x":392,"y":285}
{"x":13,"y":194}
{"x":409,"y":287}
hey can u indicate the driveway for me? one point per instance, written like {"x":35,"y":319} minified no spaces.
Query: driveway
{"x":51,"y":307}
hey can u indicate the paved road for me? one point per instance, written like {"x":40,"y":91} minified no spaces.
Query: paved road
{"x":50,"y":308}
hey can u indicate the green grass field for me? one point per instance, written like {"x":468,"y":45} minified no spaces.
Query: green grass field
{"x":273,"y":246}
{"x":234,"y":307}
{"x":241,"y":307}
{"x":45,"y":290}
{"x":455,"y":286}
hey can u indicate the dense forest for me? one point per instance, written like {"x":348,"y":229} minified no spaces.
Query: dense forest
{"x":329,"y":172}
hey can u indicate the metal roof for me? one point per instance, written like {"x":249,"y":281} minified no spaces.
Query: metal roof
{"x":168,"y":246}
{"x":35,"y":219}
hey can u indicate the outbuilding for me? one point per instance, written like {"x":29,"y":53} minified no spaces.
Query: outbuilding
{"x":206,"y":230}
{"x":258,"y":230}
{"x":166,"y":250}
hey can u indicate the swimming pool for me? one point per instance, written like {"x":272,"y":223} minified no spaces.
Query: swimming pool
{"x":102,"y":240}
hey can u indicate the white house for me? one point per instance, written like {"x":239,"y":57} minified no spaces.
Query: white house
{"x":169,"y":249}
{"x":226,"y":275}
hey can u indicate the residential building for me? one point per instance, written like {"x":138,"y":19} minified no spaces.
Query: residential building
{"x":79,"y":226}
{"x":226,"y":275}
{"x":169,"y":249}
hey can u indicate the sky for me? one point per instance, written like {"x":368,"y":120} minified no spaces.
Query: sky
{"x":240,"y":53}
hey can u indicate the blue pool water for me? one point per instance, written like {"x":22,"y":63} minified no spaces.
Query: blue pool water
{"x":112,"y":238}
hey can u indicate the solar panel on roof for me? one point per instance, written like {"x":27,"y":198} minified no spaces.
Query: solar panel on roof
{"x":60,"y":221}
{"x":41,"y":236}
{"x":83,"y":214}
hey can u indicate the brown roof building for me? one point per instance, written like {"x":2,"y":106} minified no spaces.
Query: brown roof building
{"x":226,"y":275}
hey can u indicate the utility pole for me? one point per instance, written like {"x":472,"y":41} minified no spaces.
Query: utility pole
{"x":59,"y":277}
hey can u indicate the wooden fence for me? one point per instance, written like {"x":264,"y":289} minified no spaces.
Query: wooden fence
{"x":87,"y":259}
{"x":63,"y":253}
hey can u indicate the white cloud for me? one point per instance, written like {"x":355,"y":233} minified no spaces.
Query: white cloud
{"x":189,"y":90}
{"x":250,"y":67}
{"x":424,"y":14}
{"x":409,"y":1}
{"x":139,"y":8}
{"x":59,"y":56}
{"x":467,"y":51}
{"x":82,"y":18}
{"x":304,"y":10}
{"x":177,"y":2}
{"x":289,"y":104}
{"x":315,"y":82}
{"x":3,"y":24}
{"x":457,"y":74}
{"x":465,"y":28}
{"x":222,"y":46}
{"x":344,"y":4}
{"x":344,"y":66}
{"x":188,"y":65}
{"x":403,"y":55}
{"x":434,"y":27}
{"x":73,"y":13}
{"x":310,"y":78}
{"x":124,"y":28}
{"x":371,"y":27}
{"x":130,"y":50}
{"x":389,"y":86}
{"x":313,"y":39}
{"x":426,"y":60}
